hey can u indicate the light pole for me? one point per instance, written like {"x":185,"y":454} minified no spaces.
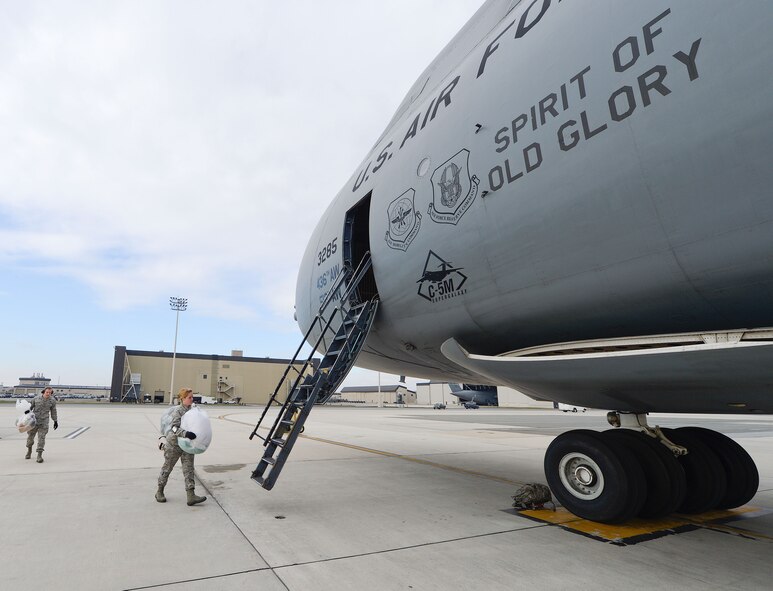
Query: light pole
{"x":178,"y":305}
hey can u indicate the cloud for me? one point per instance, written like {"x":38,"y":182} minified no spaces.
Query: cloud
{"x":189,"y":148}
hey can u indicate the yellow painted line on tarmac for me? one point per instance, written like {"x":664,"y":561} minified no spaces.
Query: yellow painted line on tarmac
{"x":389,"y":454}
{"x":417,"y":460}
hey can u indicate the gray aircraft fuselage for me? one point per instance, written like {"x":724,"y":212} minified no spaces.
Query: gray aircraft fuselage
{"x":483,"y":395}
{"x":573,"y":172}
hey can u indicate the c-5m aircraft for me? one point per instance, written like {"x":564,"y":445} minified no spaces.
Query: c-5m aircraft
{"x":600,"y":175}
{"x":483,"y":395}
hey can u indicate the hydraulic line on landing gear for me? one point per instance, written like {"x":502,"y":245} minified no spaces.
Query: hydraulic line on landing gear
{"x":638,"y":422}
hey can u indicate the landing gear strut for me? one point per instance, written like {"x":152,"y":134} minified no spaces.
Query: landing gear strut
{"x":637,"y":470}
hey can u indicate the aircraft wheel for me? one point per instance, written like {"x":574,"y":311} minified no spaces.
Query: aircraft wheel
{"x":660,"y":488}
{"x":743,"y":479}
{"x":593,"y":480}
{"x":706,"y":479}
{"x":675,"y":471}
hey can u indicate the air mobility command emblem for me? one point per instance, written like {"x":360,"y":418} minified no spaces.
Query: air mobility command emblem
{"x":404,"y":221}
{"x":453,"y":190}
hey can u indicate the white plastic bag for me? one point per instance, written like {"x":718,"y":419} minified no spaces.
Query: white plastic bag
{"x":197,"y":421}
{"x":25,"y":422}
{"x":166,"y":421}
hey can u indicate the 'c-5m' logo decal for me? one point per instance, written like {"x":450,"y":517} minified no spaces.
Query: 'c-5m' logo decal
{"x":453,"y":191}
{"x":404,"y":221}
{"x":441,"y":280}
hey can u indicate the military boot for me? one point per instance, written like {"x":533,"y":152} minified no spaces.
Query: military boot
{"x":160,"y":495}
{"x":29,"y":453}
{"x":193,"y":499}
{"x":40,"y":457}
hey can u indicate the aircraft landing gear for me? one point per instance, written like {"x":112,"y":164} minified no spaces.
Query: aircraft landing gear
{"x":593,"y":479}
{"x":647,"y":472}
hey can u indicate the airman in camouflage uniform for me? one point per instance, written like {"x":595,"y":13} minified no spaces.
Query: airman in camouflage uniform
{"x":172,"y":451}
{"x":43,"y":405}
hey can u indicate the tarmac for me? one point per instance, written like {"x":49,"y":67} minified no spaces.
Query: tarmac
{"x":371,"y":498}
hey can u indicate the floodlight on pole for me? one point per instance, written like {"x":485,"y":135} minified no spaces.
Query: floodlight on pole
{"x":178,"y":305}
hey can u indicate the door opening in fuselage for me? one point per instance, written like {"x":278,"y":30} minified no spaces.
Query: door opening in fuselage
{"x":357,"y":244}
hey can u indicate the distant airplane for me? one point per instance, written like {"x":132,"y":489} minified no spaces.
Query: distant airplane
{"x":600,"y":172}
{"x":483,"y":395}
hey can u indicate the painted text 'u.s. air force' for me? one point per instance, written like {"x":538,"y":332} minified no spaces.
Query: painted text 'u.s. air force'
{"x":526,"y":16}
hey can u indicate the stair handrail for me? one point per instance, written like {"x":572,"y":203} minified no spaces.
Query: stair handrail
{"x":293,"y":417}
{"x":351,"y":341}
{"x":300,"y":375}
{"x":318,"y":318}
{"x":356,"y":276}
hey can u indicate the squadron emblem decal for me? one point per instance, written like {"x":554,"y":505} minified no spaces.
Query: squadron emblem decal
{"x":404,"y":221}
{"x":441,"y":280}
{"x":453,"y":190}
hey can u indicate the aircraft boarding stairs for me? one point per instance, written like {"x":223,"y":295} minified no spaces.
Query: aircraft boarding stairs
{"x":348,"y":337}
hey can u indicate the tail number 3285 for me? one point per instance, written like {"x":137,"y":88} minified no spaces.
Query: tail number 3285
{"x":327,"y":251}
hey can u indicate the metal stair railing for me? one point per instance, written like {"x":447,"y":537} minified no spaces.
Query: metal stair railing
{"x":356,"y":277}
{"x":296,"y":410}
{"x":343,"y":358}
{"x":307,"y":389}
{"x":318,"y":319}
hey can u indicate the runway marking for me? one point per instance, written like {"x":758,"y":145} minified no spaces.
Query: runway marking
{"x":77,"y":432}
{"x":642,"y":530}
{"x":396,"y":456}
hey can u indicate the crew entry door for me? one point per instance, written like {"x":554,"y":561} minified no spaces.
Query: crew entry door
{"x":357,"y":244}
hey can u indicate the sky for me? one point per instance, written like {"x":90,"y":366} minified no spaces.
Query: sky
{"x":151,"y":149}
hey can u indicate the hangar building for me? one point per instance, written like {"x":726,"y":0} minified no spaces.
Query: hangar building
{"x":146,"y":376}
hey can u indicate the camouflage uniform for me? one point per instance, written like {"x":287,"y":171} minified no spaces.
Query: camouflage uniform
{"x":42,"y":408}
{"x":172,"y":452}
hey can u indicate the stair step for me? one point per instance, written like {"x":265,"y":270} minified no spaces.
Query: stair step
{"x":279,"y":442}
{"x":287,"y":424}
{"x":259,"y":479}
{"x":268,"y":459}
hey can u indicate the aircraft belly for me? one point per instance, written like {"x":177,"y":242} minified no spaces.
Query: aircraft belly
{"x":711,"y":378}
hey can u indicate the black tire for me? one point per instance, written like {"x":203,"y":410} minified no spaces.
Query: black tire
{"x":706,"y":480}
{"x":675,"y":471}
{"x":743,"y":479}
{"x":615,"y":490}
{"x":658,"y":501}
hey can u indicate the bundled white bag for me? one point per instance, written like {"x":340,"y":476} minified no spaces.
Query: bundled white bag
{"x":196,"y":420}
{"x":165,"y":426}
{"x":166,"y":421}
{"x":25,"y":422}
